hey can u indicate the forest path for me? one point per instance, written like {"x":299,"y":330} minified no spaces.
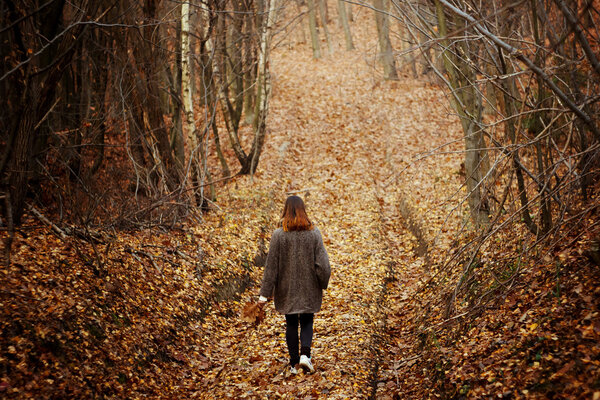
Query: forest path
{"x":335,"y":129}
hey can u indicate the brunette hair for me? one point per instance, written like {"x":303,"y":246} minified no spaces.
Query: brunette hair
{"x":294,"y":216}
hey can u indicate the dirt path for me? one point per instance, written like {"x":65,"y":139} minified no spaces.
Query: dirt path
{"x":335,"y":130}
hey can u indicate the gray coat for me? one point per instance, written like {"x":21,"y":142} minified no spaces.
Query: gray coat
{"x":296,"y":272}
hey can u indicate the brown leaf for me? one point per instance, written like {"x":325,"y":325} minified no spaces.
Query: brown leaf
{"x":253,"y":313}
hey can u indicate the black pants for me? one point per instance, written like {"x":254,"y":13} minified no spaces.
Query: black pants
{"x":291,"y":335}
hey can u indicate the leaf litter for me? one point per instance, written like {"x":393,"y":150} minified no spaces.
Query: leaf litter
{"x":157,"y":314}
{"x":325,"y":141}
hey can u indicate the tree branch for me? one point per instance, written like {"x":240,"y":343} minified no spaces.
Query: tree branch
{"x":518,"y":54}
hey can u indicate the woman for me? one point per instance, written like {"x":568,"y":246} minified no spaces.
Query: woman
{"x":296,"y":273}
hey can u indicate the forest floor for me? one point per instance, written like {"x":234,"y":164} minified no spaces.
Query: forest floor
{"x":155,"y":314}
{"x":336,"y":131}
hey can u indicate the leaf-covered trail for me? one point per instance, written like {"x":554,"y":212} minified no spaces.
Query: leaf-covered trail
{"x":335,"y":128}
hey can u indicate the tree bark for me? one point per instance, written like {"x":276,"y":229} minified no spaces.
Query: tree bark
{"x":312,"y":24}
{"x":189,"y":124}
{"x":382,"y":21}
{"x":467,"y":103}
{"x":186,"y":78}
{"x":345,"y":25}
{"x":264,"y":89}
{"x":349,"y":11}
{"x":36,"y":94}
{"x":538,"y":117}
{"x":405,"y":46}
{"x":226,"y":172}
{"x":19,"y":168}
{"x":323,"y":14}
{"x":151,"y":56}
{"x":176,"y":108}
{"x":250,"y":69}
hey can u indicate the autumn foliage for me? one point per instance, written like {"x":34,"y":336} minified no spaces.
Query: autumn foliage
{"x":119,"y":286}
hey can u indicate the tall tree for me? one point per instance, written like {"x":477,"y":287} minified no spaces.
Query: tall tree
{"x":466,"y":100}
{"x":264,"y":87}
{"x":312,"y":25}
{"x":382,"y":21}
{"x":187,"y":95}
{"x":345,"y":25}
{"x":324,"y":19}
{"x":229,"y":68}
{"x":31,"y":73}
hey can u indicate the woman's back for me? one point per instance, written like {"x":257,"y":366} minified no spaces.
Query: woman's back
{"x":296,"y":271}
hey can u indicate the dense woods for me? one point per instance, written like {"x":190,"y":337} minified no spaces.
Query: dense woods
{"x":130,"y":125}
{"x":126,"y":95}
{"x":523,"y":79}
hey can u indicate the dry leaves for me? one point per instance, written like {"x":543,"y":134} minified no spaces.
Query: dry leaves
{"x":253,"y":313}
{"x":158,"y":315}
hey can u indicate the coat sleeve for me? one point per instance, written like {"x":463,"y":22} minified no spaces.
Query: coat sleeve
{"x":271,"y":268}
{"x":322,"y":267}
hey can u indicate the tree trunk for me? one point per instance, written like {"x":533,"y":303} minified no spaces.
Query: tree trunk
{"x":151,"y":56}
{"x":425,"y":53}
{"x":349,"y":11}
{"x":20,"y":161}
{"x":189,"y":124}
{"x":36,"y":93}
{"x":177,"y":140}
{"x":227,"y":112}
{"x":300,"y":26}
{"x":405,"y":46}
{"x":490,"y":95}
{"x":323,"y":14}
{"x":186,"y":78}
{"x":382,"y":21}
{"x":345,"y":24}
{"x":234,"y":66}
{"x":264,"y":89}
{"x":467,"y":103}
{"x":226,"y":172}
{"x":537,"y":126}
{"x":312,"y":24}
{"x":250,"y":70}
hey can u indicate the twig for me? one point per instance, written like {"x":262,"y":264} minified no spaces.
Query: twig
{"x":47,"y":113}
{"x":518,"y":54}
{"x":184,"y":255}
{"x":18,"y":294}
{"x":408,"y":359}
{"x":45,"y":220}
{"x":154,"y":263}
{"x":444,"y":322}
{"x":307,"y":190}
{"x":147,"y":255}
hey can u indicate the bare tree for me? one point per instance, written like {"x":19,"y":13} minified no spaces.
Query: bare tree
{"x":345,"y":25}
{"x":324,"y":19}
{"x":229,"y":67}
{"x":123,"y":81}
{"x":533,"y":68}
{"x":382,"y":21}
{"x":312,"y":24}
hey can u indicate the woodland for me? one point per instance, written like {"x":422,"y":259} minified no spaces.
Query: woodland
{"x":448,"y":151}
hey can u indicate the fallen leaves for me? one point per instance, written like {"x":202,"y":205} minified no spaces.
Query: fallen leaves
{"x":165,"y":319}
{"x":253,"y":313}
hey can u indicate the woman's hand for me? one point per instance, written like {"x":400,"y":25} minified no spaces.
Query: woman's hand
{"x":262,"y":301}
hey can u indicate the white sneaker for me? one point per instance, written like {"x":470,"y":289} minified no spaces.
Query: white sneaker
{"x":306,"y":363}
{"x":293,"y":371}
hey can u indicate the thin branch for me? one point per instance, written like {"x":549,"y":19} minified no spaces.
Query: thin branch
{"x":518,"y":54}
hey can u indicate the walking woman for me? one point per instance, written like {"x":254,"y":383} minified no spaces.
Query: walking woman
{"x":296,"y":273}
